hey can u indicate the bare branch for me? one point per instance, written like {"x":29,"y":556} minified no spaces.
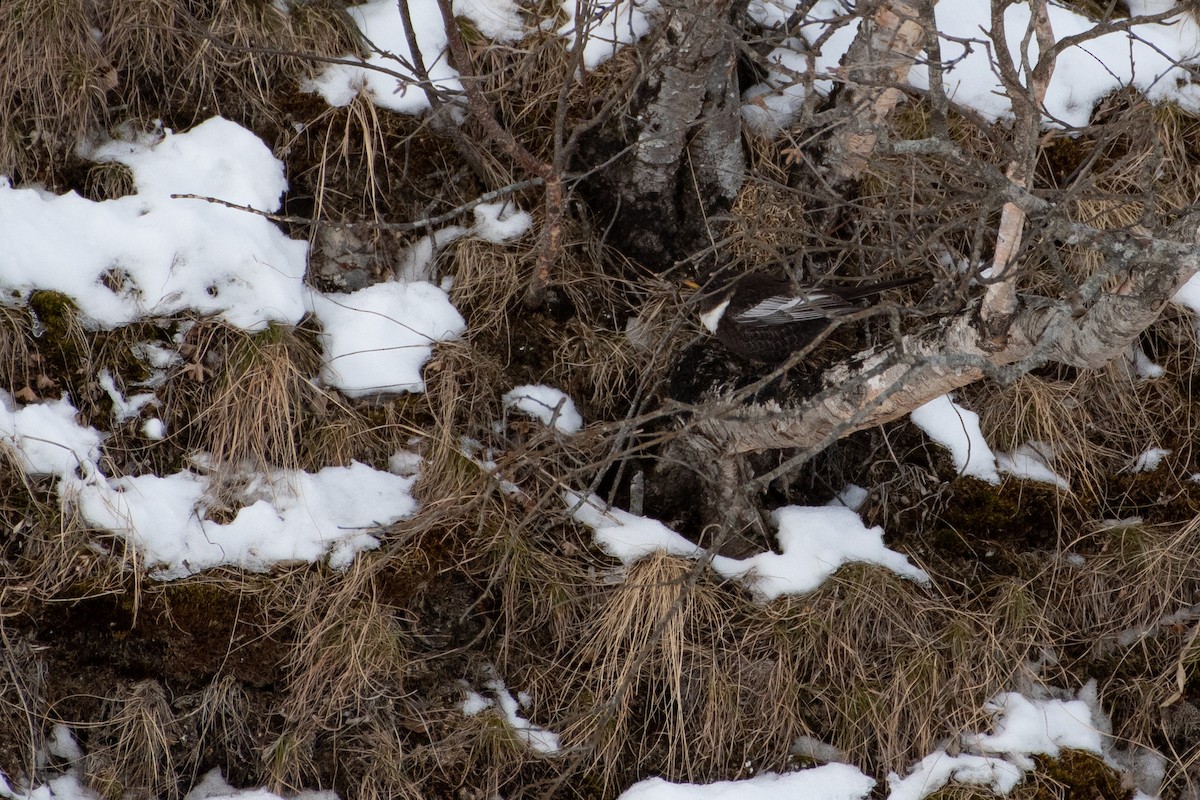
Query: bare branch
{"x":1028,"y":98}
{"x":414,"y":225}
{"x":481,"y":112}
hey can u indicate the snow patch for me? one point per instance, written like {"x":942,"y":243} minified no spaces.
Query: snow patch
{"x":377,"y":339}
{"x":814,"y":542}
{"x":957,"y":429}
{"x":148,"y":254}
{"x":546,"y":404}
{"x":383,"y":28}
{"x":828,"y":782}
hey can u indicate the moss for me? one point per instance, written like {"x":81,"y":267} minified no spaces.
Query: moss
{"x":59,"y":333}
{"x":1016,"y":514}
{"x":1156,"y":495}
{"x":1074,"y":775}
{"x":183,"y":633}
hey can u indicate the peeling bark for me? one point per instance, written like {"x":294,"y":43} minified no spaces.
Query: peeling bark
{"x":1026,"y":89}
{"x":879,"y":60}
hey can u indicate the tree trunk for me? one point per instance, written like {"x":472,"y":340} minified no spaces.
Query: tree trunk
{"x":674,"y":159}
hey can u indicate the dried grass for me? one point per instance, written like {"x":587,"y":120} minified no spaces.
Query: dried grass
{"x":130,"y":752}
{"x":655,"y":669}
{"x":67,"y":72}
{"x":350,"y":651}
{"x":245,"y":397}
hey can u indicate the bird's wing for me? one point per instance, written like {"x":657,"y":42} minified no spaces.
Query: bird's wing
{"x":786,"y":309}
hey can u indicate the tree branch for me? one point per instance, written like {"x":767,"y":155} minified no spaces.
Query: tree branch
{"x":877,"y":63}
{"x":884,"y":385}
{"x":1027,"y":92}
{"x":481,"y":112}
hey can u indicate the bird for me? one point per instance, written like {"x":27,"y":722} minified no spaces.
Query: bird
{"x":765,"y":318}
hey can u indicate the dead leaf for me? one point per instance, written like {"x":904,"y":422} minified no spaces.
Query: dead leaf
{"x":195,"y":371}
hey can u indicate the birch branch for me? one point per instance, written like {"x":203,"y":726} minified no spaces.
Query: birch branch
{"x":877,"y":62}
{"x":1027,"y":92}
{"x":884,"y":385}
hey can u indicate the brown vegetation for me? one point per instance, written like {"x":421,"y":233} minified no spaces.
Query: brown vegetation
{"x":354,"y":680}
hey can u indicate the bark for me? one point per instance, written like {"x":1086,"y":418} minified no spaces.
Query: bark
{"x":876,"y":63}
{"x":675,"y":159}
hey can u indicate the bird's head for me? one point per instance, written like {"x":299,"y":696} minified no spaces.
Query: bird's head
{"x":711,"y":300}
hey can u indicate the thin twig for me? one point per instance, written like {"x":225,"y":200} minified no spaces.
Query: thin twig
{"x":414,"y":225}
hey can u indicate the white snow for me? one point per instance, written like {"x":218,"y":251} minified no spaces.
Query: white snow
{"x":957,"y":429}
{"x":1027,"y":727}
{"x":494,"y":222}
{"x":535,"y":738}
{"x":1147,"y":57}
{"x":940,"y":768}
{"x":610,"y":26}
{"x":147,"y":254}
{"x":124,"y":408}
{"x":814,"y":542}
{"x":1188,"y":295}
{"x":827,"y":782}
{"x":1023,"y":727}
{"x":212,"y":786}
{"x":46,"y":438}
{"x":404,"y":463}
{"x":1143,"y":367}
{"x":601,"y":28}
{"x":774,"y":103}
{"x":377,"y":339}
{"x":381,"y":25}
{"x":1149,"y":460}
{"x":852,"y":496}
{"x":546,"y":404}
{"x":217,"y":158}
{"x":500,"y":222}
{"x":61,"y":744}
{"x":154,"y":428}
{"x":287,"y":516}
{"x":628,"y":537}
{"x":996,"y":761}
{"x":476,"y":704}
{"x":1031,"y":461}
{"x":416,"y":262}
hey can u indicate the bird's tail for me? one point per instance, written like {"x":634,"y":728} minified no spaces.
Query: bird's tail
{"x":872,"y":289}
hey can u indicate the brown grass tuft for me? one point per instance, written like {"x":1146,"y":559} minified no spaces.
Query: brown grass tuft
{"x":68,"y":72}
{"x":130,"y":752}
{"x":245,"y":397}
{"x":350,"y":654}
{"x":656,"y":679}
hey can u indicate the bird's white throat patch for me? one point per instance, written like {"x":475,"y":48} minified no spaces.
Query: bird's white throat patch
{"x":710,"y":319}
